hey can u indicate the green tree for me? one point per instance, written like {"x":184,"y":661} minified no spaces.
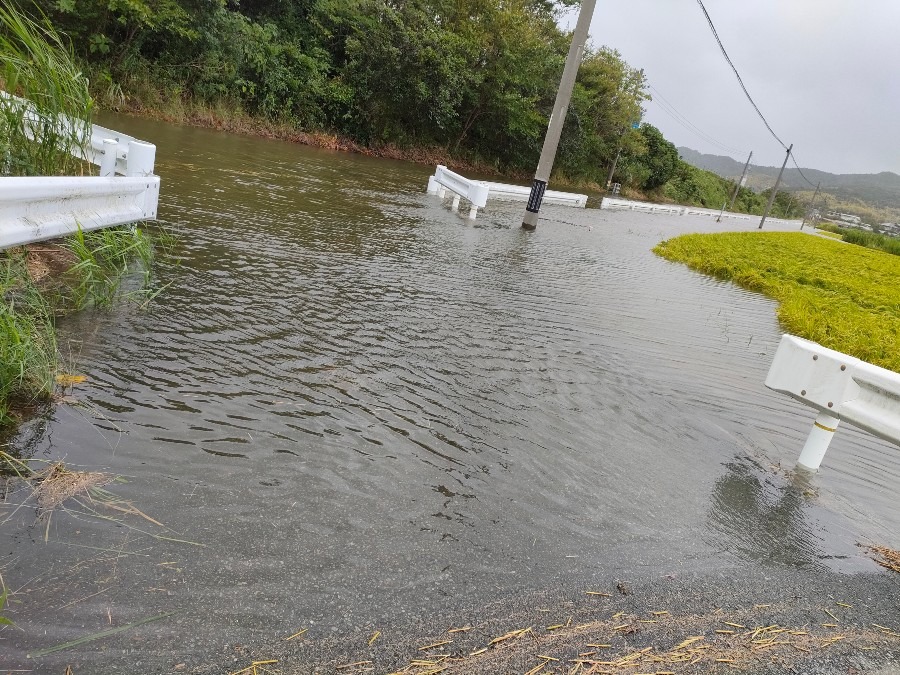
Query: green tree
{"x":657,"y":164}
{"x":606,"y":102}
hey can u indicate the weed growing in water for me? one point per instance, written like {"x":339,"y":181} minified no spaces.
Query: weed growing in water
{"x":27,"y":339}
{"x":104,"y":259}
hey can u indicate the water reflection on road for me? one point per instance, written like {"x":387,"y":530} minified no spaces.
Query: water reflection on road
{"x":363,"y":407}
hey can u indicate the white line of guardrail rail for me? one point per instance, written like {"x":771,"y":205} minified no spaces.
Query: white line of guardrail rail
{"x":479,"y":191}
{"x":675,"y":209}
{"x":839,"y":387}
{"x":37,"y":208}
{"x":518,"y":193}
{"x":628,"y":205}
{"x":444,"y":179}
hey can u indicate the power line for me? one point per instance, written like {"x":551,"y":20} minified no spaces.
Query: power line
{"x":672,"y":111}
{"x":687,"y":125}
{"x":738,"y":75}
{"x":801,"y":172}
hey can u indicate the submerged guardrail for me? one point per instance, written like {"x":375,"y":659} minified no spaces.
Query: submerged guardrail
{"x":839,"y":387}
{"x":477,"y":192}
{"x":678,"y":210}
{"x":36,"y":208}
{"x":518,"y":193}
{"x":444,"y":179}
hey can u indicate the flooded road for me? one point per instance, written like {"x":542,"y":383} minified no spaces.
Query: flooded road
{"x":352,"y":408}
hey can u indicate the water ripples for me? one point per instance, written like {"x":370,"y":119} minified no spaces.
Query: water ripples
{"x":442,"y":395}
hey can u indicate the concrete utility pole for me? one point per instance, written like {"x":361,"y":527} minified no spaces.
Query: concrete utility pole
{"x":737,"y":188}
{"x":612,"y":169}
{"x":560,"y":107}
{"x":775,"y":189}
{"x":811,"y":205}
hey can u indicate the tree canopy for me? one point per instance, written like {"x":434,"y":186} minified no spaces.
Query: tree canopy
{"x":477,"y":77}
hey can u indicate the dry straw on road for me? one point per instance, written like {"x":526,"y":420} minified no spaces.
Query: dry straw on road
{"x":56,"y":484}
{"x":886,"y":557}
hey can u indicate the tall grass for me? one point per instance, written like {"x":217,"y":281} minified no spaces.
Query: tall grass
{"x":864,"y":238}
{"x":873,"y":240}
{"x":844,"y":297}
{"x":38,"y":137}
{"x":27,"y":339}
{"x":831,"y":227}
{"x":35,"y":64}
{"x":105,"y":257}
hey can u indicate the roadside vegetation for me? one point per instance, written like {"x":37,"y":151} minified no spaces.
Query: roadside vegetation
{"x":40,"y":282}
{"x":865,"y":238}
{"x":467,"y":83}
{"x":843,"y":297}
{"x":698,"y":187}
{"x":872,"y":240}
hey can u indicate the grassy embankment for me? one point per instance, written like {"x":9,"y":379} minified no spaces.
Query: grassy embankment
{"x":863,"y":238}
{"x":40,"y":282}
{"x":843,"y":297}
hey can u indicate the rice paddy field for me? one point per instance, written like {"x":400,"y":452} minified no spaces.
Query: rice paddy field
{"x":844,"y":297}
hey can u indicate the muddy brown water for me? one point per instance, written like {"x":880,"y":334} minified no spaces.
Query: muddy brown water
{"x":353,"y":408}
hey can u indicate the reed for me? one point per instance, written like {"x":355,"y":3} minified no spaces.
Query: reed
{"x":27,"y":339}
{"x":36,"y":64}
{"x":44,"y":138}
{"x":105,"y":258}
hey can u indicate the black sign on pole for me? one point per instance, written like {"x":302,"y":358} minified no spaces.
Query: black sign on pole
{"x":538,"y":187}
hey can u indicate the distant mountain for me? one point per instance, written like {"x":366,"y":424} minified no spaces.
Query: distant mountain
{"x":881,"y":190}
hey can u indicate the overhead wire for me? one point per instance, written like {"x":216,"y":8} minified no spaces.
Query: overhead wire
{"x":715,"y":33}
{"x":793,"y":159}
{"x":673,"y":112}
{"x":750,"y":98}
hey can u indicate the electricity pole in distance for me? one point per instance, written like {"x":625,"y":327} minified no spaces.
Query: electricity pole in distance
{"x":737,"y":188}
{"x":775,"y":189}
{"x":612,"y":169}
{"x":558,"y":117}
{"x":811,"y":205}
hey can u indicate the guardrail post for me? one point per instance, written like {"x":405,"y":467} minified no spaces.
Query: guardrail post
{"x":141,"y":157}
{"x":473,"y":212}
{"x":432,"y":186}
{"x":455,"y":205}
{"x":108,"y":161}
{"x":817,"y":443}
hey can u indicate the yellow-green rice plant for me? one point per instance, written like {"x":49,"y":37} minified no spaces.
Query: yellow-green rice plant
{"x":843,"y":297}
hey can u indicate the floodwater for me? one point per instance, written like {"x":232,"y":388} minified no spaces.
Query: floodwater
{"x":352,"y":407}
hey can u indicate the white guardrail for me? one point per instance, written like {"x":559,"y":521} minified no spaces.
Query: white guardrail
{"x":444,"y":179}
{"x":477,"y":192}
{"x":36,"y":208}
{"x":675,"y":209}
{"x":840,"y":387}
{"x":519,"y":193}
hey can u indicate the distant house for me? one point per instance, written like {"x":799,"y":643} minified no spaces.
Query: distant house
{"x":846,"y":217}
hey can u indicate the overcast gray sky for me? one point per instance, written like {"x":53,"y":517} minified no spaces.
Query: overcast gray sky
{"x":825,"y":73}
